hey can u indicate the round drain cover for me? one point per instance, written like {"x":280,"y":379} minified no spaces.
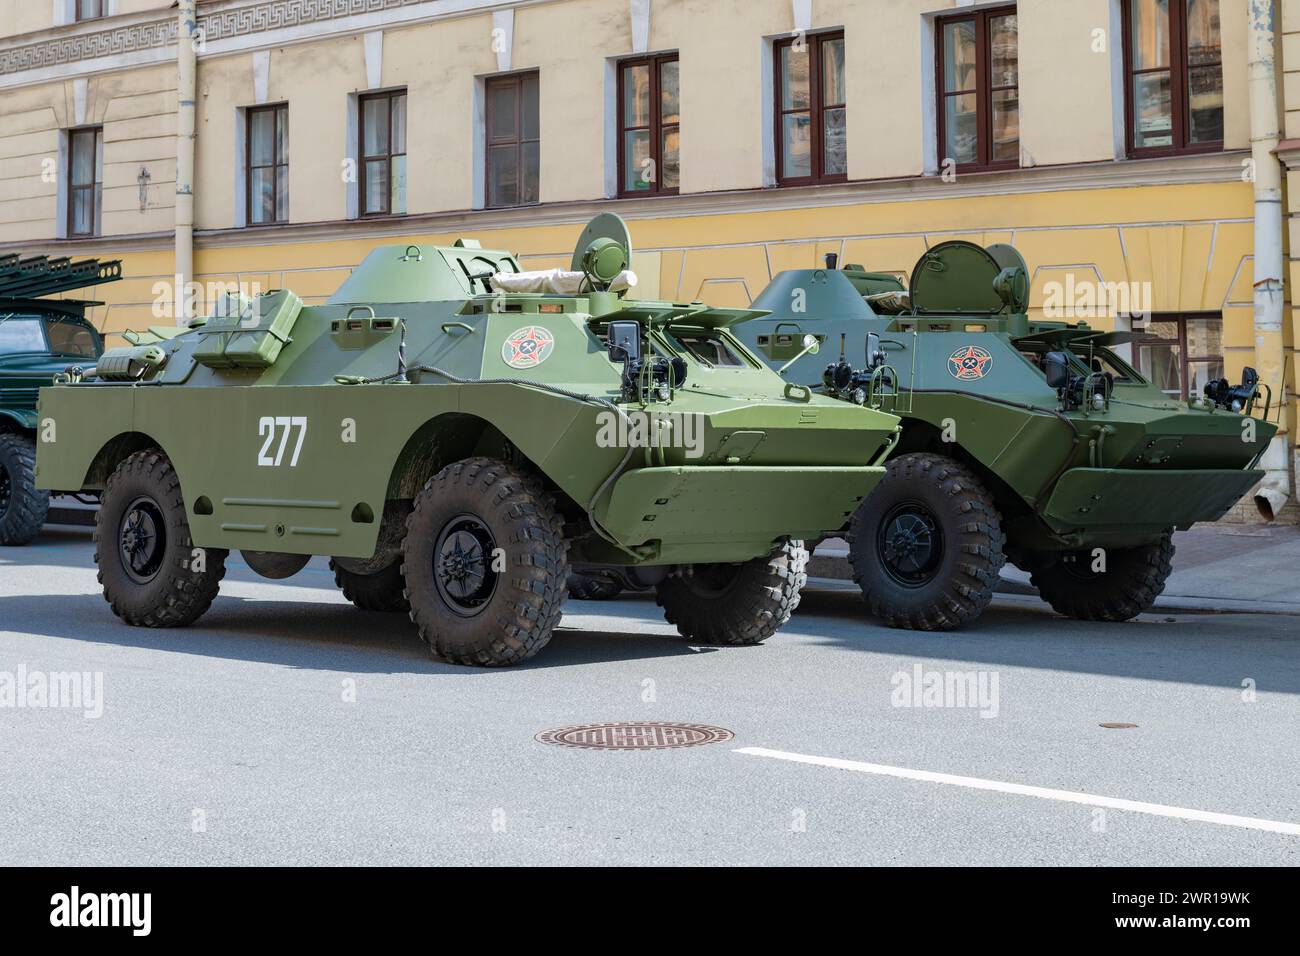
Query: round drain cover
{"x":635,"y":735}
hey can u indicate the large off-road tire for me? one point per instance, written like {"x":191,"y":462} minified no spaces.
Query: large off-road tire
{"x":468,"y":612}
{"x":1133,"y":579}
{"x":23,"y":507}
{"x":926,"y":545}
{"x":584,"y":588}
{"x":148,"y":565}
{"x":737,"y":604}
{"x":381,"y":591}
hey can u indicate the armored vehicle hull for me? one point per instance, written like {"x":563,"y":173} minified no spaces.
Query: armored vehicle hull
{"x":458,"y":450}
{"x":1035,"y":441}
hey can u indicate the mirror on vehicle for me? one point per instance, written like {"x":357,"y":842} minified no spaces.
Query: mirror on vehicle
{"x":874,"y":355}
{"x":811,"y":345}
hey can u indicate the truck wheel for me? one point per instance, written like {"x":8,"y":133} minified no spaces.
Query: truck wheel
{"x":737,"y":604}
{"x":152,"y":574}
{"x":926,"y":545}
{"x":471,"y":516}
{"x":22,"y":506}
{"x":1133,"y":579}
{"x":381,"y":591}
{"x":584,"y":588}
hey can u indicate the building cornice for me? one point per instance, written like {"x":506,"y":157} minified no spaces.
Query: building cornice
{"x":1288,"y":151}
{"x":227,"y":26}
{"x":1204,"y":169}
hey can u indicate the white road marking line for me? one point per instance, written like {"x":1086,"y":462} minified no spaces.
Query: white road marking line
{"x":1045,"y":793}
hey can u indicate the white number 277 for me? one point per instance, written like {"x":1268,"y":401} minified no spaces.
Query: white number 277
{"x":282,"y":425}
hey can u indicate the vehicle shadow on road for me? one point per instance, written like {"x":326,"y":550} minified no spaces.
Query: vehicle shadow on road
{"x":313,"y":636}
{"x":1218,"y":650}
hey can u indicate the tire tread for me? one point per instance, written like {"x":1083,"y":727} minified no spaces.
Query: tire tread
{"x":187,"y":593}
{"x":28,"y":507}
{"x":982,"y":543}
{"x":770,"y":589}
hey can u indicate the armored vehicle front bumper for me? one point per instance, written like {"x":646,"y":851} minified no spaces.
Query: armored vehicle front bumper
{"x":725,"y":513}
{"x":1099,"y":499}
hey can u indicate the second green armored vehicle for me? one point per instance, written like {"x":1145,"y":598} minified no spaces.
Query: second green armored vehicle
{"x":1033,"y":441}
{"x":39,"y":337}
{"x":459,"y":436}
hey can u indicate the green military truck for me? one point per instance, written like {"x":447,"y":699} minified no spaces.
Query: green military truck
{"x":459,"y":436}
{"x":39,"y":337}
{"x":1029,"y":441}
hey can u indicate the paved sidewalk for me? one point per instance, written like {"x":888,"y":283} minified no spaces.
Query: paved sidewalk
{"x":1216,"y":568}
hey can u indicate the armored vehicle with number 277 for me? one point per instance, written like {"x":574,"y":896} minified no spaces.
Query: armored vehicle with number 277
{"x":1028,"y":440}
{"x":459,"y":436}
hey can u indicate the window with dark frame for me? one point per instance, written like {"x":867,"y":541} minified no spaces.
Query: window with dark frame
{"x":1188,"y":355}
{"x":88,"y":10}
{"x":1174,"y":63}
{"x":383,"y":153}
{"x":811,"y":141}
{"x":649,"y":124}
{"x":85,"y":180}
{"x":267,"y":163}
{"x":513,"y":140}
{"x":979,"y":89}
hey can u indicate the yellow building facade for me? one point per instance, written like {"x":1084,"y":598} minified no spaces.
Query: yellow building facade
{"x":1113,"y":149}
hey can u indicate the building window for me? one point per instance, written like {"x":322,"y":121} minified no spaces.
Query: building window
{"x":383,"y":154}
{"x":1175,"y":69}
{"x":88,"y":9}
{"x":85,"y":180}
{"x":979,"y":95}
{"x":1188,"y":355}
{"x":811,"y":143}
{"x":649,"y":124}
{"x":268,"y":164}
{"x":513,"y":140}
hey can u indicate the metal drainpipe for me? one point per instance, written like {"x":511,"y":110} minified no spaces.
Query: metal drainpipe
{"x":187,"y":68}
{"x":1265,"y":134}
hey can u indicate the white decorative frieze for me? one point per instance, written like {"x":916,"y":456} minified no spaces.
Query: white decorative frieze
{"x":129,"y":38}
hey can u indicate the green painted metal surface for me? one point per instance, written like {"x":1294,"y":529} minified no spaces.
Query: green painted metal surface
{"x":302,"y":456}
{"x":1110,"y":497}
{"x":968,"y":363}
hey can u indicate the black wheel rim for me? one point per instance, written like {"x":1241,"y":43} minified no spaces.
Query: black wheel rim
{"x":6,"y":490}
{"x":142,"y":540}
{"x":910,"y":544}
{"x":462,"y":565}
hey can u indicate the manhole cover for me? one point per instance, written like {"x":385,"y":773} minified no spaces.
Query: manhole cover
{"x":635,"y":735}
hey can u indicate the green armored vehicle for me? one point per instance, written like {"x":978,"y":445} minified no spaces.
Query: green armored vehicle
{"x":39,"y":338}
{"x":458,"y":436}
{"x":1032,"y":441}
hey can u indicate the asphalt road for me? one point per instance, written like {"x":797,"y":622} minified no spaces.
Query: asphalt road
{"x":289,"y":728}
